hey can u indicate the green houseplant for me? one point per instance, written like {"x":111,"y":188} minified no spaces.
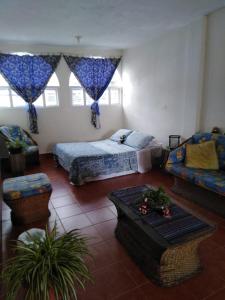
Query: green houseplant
{"x":157,"y":198}
{"x":16,"y":146}
{"x":48,"y":268}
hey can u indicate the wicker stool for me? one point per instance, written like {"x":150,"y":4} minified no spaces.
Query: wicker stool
{"x":28,"y":197}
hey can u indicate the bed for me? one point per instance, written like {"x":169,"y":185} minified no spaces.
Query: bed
{"x":98,"y":160}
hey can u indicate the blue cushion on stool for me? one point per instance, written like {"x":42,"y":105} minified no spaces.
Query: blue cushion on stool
{"x":26,"y":186}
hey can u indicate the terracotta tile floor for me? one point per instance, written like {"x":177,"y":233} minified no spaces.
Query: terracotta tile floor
{"x":115,"y":274}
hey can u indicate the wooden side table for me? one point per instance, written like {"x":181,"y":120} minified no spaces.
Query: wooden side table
{"x":17,"y":164}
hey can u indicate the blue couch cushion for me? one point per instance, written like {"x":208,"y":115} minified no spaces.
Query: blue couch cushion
{"x":14,"y":132}
{"x":211,"y":180}
{"x":179,"y":169}
{"x":26,"y":186}
{"x":202,"y":137}
{"x":177,"y":155}
{"x":11,"y":132}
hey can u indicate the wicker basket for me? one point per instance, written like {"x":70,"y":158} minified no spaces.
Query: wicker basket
{"x":29,"y":209}
{"x":180,"y":262}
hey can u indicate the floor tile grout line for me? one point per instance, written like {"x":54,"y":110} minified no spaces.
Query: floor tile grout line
{"x":98,"y":222}
{"x":75,"y":203}
{"x":73,"y":216}
{"x":214,"y":293}
{"x":93,"y":225}
{"x":133,"y":289}
{"x":100,"y":269}
{"x":59,"y":219}
{"x":60,"y":196}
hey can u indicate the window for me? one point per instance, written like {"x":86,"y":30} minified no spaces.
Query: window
{"x":50,"y":95}
{"x":8,"y":98}
{"x":111,"y":96}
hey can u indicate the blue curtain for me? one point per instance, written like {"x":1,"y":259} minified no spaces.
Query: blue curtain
{"x":94,"y":74}
{"x":28,"y":76}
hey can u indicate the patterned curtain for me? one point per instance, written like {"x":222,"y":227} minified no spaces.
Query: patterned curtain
{"x":94,"y":74}
{"x":28,"y":76}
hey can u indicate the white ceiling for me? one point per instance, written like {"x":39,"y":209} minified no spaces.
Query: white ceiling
{"x":102,"y":23}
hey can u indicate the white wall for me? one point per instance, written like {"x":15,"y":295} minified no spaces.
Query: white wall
{"x":64,"y":123}
{"x":173,"y":84}
{"x":161,"y":83}
{"x":213,"y":109}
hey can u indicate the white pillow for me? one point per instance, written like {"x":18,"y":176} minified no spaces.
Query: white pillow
{"x":138,"y":140}
{"x":119,"y":133}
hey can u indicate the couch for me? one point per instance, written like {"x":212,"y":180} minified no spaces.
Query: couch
{"x":13,"y":132}
{"x":205,"y":187}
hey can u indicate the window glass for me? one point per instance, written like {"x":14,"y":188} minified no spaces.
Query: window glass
{"x":104,"y":100}
{"x":23,"y":53}
{"x":77,"y":91}
{"x":39,"y":102}
{"x":77,"y":96}
{"x":111,"y":95}
{"x":4,"y":98}
{"x":17,"y":101}
{"x":53,"y":81}
{"x":89,"y":100}
{"x":51,"y":98}
{"x":9,"y":98}
{"x":116,"y":80}
{"x":3,"y":82}
{"x":73,"y":80}
{"x":115,"y":95}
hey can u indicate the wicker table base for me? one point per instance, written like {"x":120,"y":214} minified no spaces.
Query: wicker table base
{"x":175,"y":265}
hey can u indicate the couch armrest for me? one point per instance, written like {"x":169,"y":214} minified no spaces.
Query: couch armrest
{"x":178,"y":155}
{"x":30,"y":137}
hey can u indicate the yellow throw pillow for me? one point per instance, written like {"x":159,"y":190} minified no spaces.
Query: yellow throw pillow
{"x":202,"y":156}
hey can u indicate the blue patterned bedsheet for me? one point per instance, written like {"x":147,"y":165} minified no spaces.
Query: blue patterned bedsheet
{"x":91,"y":159}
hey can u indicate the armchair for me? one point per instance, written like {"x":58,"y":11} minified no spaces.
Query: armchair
{"x":9,"y":133}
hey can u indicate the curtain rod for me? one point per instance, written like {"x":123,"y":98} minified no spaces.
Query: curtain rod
{"x":61,"y":54}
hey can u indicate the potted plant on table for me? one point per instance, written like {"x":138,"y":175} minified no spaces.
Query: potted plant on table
{"x":156,"y":200}
{"x":16,"y":146}
{"x":47,"y":268}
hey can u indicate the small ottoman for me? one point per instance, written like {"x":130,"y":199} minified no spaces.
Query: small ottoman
{"x":28,"y":197}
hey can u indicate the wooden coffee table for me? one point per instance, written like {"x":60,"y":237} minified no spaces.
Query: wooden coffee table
{"x":166,"y":249}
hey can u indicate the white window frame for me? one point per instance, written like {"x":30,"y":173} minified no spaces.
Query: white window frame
{"x":55,"y":88}
{"x":119,"y":89}
{"x":109,"y":88}
{"x":71,"y":95}
{"x":10,"y":97}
